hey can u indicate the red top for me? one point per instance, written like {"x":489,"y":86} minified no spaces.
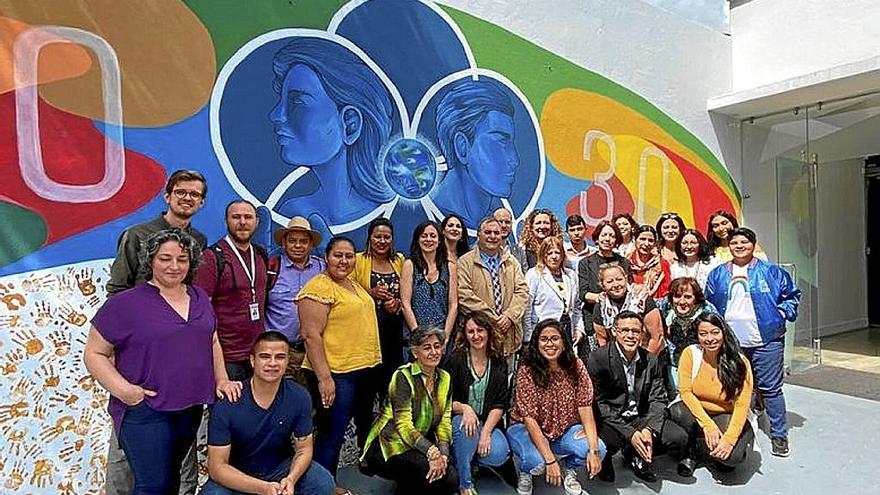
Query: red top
{"x":648,"y":273}
{"x":554,"y":407}
{"x":231,"y":297}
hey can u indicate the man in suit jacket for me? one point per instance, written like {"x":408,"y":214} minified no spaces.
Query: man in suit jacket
{"x":630,"y":396}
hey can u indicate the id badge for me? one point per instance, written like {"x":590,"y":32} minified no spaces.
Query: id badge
{"x":255,"y":311}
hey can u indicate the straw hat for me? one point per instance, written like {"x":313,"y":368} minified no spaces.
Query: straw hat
{"x":301,"y":224}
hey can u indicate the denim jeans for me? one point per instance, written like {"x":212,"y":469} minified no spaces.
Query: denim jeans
{"x":767,"y":368}
{"x":155,"y":443}
{"x":354,"y":399}
{"x":572,"y":450}
{"x":315,"y":481}
{"x":464,"y":448}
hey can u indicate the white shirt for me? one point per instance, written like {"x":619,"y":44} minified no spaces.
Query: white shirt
{"x":572,"y":257}
{"x":698,"y":270}
{"x":740,"y":314}
{"x":546,"y":300}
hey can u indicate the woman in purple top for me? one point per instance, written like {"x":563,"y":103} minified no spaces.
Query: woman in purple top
{"x":155,"y":349}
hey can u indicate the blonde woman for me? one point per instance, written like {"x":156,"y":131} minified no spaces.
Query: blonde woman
{"x":553,"y":292}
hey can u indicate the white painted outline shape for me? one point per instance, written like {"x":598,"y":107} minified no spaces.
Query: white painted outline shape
{"x":26,"y":53}
{"x":410,"y":128}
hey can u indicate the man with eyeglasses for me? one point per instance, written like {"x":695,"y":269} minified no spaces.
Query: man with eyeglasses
{"x":490,"y":280}
{"x":630,"y":396}
{"x":185,"y":195}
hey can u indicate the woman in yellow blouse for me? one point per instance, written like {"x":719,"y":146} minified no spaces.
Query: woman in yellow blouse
{"x":377,"y":269}
{"x":342,"y":350}
{"x":715,"y":385}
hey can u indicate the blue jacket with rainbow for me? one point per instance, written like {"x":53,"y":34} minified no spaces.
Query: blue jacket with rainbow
{"x":775,"y":296}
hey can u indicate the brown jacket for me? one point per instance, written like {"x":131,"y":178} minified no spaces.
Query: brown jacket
{"x":475,"y":293}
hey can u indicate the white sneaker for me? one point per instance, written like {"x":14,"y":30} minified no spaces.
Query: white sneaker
{"x":524,"y":485}
{"x":571,"y":483}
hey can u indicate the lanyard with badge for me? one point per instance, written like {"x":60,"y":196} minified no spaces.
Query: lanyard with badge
{"x":254,"y":306}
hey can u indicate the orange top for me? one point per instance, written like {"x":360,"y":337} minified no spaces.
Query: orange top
{"x":704,"y":397}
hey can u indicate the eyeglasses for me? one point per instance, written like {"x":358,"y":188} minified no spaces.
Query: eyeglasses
{"x":182,"y":193}
{"x":550,"y":340}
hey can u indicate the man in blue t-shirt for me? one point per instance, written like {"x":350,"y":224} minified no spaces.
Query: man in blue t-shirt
{"x":263,"y":443}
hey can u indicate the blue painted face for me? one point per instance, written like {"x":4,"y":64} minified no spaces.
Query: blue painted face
{"x":308,"y":124}
{"x":492,"y":158}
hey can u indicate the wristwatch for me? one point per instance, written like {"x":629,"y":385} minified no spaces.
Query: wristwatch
{"x":594,"y":451}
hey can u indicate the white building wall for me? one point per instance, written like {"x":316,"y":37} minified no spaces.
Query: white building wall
{"x":674,"y":63}
{"x":774,"y":40}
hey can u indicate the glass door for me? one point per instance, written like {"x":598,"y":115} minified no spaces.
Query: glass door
{"x":797,"y":253}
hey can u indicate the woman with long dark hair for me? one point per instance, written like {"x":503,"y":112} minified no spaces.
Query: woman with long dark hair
{"x":455,"y":238}
{"x":694,"y":258}
{"x":721,"y":223}
{"x":627,"y":226}
{"x":715,"y":383}
{"x":552,"y":419}
{"x":669,"y":228}
{"x":480,"y":399}
{"x":427,"y":296}
{"x":377,"y":269}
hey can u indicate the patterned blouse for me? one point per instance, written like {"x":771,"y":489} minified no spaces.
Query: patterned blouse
{"x":554,"y":407}
{"x":430,"y":301}
{"x":412,"y":413}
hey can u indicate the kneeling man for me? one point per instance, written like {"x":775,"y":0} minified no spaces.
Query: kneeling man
{"x":263,"y":443}
{"x":630,"y":396}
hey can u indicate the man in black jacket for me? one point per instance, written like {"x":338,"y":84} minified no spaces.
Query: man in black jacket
{"x":630,"y":396}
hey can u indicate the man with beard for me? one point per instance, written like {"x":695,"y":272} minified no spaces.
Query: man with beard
{"x":234,"y":273}
{"x":185,"y":195}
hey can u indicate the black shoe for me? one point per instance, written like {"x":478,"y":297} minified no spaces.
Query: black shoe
{"x":607,"y":472}
{"x":779,"y":447}
{"x":686,"y":467}
{"x":643,"y":470}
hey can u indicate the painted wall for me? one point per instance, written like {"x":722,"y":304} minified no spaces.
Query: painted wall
{"x":590,"y":107}
{"x":774,"y":40}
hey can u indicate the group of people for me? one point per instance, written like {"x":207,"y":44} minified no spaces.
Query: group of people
{"x":555,"y":354}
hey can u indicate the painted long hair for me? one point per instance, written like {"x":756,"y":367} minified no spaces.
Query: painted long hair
{"x":731,"y":368}
{"x":347,"y":81}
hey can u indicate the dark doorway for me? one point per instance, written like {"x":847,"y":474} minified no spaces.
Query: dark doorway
{"x":872,"y":238}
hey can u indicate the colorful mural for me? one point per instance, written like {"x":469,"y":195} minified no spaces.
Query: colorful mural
{"x":341,"y":112}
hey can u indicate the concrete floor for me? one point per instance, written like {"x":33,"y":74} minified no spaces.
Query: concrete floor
{"x":857,"y":351}
{"x":820,"y":462}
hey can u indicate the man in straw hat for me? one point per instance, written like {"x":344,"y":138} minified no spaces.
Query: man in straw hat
{"x":296,"y":267}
